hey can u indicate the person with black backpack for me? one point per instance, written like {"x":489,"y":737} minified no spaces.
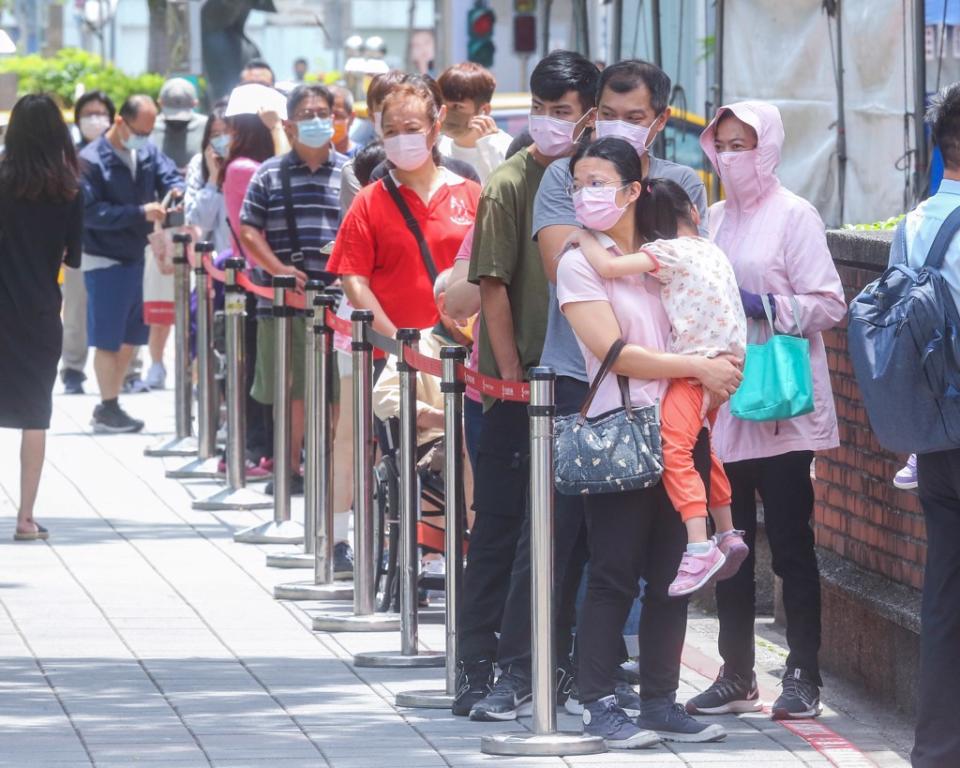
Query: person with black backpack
{"x":902,"y":337}
{"x":290,"y":212}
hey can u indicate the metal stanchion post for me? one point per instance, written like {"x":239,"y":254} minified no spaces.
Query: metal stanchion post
{"x":409,"y":654}
{"x":207,"y":461}
{"x":183,"y":443}
{"x":318,"y":479}
{"x":235,"y":495}
{"x":363,"y":618}
{"x":280,"y":530}
{"x":452,"y":386}
{"x":545,"y":739}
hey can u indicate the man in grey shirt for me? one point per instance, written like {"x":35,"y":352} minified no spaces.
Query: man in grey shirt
{"x":632,"y":105}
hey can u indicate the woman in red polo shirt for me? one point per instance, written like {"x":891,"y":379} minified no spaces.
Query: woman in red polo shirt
{"x":376,"y":254}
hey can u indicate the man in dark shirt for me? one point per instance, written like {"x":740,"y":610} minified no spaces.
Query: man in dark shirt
{"x":313,"y":168}
{"x":124,"y":176}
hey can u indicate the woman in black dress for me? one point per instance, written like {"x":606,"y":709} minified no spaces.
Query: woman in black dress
{"x":41,"y":225}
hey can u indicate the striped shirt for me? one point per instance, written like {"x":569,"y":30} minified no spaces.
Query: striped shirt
{"x":316,"y":209}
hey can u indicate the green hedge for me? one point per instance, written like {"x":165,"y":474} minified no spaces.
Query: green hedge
{"x":71,"y":67}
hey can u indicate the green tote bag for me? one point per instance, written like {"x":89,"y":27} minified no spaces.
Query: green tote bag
{"x":777,"y":377}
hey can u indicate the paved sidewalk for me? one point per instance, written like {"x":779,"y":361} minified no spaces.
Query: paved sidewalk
{"x":141,"y":634}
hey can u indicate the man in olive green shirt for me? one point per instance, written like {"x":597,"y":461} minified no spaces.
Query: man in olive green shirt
{"x":514,"y":301}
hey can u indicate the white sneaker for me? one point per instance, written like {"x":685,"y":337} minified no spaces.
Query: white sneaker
{"x":156,"y":377}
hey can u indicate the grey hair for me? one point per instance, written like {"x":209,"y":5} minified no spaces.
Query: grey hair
{"x":440,"y":284}
{"x":341,"y":90}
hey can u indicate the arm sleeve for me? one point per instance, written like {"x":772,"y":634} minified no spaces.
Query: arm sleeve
{"x":202,"y":202}
{"x":666,"y":254}
{"x":253,"y":211}
{"x":74,"y":239}
{"x":813,"y":277}
{"x":355,"y":244}
{"x":553,"y":205}
{"x":495,"y":245}
{"x":349,"y":187}
{"x":578,"y":281}
{"x":102,"y":214}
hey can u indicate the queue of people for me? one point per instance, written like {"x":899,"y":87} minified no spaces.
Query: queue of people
{"x":571,"y":246}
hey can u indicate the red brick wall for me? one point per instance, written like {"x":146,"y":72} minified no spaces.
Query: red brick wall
{"x":859,"y":514}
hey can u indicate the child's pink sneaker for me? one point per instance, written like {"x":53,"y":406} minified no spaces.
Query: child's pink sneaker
{"x":696,"y":570}
{"x":735,"y":550}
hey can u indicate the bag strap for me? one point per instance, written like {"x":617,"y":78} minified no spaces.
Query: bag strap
{"x":622,"y":381}
{"x":296,"y":255}
{"x":412,"y":225}
{"x":941,"y":242}
{"x":794,"y":308}
{"x":236,"y":239}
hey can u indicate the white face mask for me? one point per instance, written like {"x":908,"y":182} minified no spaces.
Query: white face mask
{"x":636,"y":135}
{"x":407,"y":151}
{"x":92,"y":126}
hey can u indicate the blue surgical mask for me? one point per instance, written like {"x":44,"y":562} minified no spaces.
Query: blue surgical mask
{"x":220,"y":144}
{"x":135,"y":142}
{"x":316,"y":132}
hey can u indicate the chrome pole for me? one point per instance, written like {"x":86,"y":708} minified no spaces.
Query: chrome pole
{"x":235,"y":496}
{"x":363,"y":618}
{"x":281,"y":530}
{"x":452,"y":386}
{"x":545,"y":739}
{"x":205,"y":466}
{"x":183,"y":442}
{"x":409,"y":655}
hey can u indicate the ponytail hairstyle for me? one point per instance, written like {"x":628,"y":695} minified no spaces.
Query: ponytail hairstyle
{"x":662,"y":206}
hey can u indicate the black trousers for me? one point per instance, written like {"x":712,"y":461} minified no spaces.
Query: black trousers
{"x":500,"y":499}
{"x":784,"y":485}
{"x":937,"y":736}
{"x":569,"y":558}
{"x":634,"y":535}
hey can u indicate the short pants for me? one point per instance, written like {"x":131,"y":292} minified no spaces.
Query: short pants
{"x":115,"y":306}
{"x":262,"y":388}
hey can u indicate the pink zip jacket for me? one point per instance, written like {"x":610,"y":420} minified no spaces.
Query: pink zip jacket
{"x":776,"y":243}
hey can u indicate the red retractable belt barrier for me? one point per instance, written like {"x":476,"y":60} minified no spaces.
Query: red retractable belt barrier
{"x":517,"y":391}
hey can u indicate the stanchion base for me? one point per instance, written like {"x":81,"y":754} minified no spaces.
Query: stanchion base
{"x":395,"y":659}
{"x":375,"y":622}
{"x":234,"y":498}
{"x":175,"y":446}
{"x":222,"y":477}
{"x":287,"y":532}
{"x":198,"y":469}
{"x":291,"y":560}
{"x":307,"y":590}
{"x":560,"y":744}
{"x":425,"y":699}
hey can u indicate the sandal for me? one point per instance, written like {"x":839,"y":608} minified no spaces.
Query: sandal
{"x":41,"y":534}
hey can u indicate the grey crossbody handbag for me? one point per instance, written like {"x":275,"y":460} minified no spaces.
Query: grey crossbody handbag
{"x":616,"y":451}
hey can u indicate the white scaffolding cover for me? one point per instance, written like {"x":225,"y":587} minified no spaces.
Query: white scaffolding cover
{"x":780,"y":52}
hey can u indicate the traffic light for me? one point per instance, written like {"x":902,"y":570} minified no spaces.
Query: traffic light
{"x":480,"y":47}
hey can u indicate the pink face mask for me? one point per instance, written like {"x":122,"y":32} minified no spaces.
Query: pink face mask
{"x":407,"y":151}
{"x":738,"y":172}
{"x":636,"y":135}
{"x":553,"y":137}
{"x":596,"y":207}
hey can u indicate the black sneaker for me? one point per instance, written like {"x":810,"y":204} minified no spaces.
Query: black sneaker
{"x":72,"y":381}
{"x":800,"y":697}
{"x":113,"y":420}
{"x":296,"y":486}
{"x":342,"y":561}
{"x":671,"y":722}
{"x":511,"y":697}
{"x":474,"y":682}
{"x":728,"y":694}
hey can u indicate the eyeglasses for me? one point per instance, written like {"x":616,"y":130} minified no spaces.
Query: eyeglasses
{"x":572,"y":189}
{"x":311,"y":115}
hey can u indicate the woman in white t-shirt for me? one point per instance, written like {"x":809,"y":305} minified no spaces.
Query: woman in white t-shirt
{"x":635,"y":534}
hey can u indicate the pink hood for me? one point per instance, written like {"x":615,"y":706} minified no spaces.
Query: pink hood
{"x":766,"y":121}
{"x":776,"y":243}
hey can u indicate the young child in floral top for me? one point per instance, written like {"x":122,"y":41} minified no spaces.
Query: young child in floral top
{"x":701,"y":298}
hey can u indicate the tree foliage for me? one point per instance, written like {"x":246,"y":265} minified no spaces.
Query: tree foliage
{"x":72,"y":71}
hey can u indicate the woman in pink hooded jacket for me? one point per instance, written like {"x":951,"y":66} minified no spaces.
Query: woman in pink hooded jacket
{"x":776,"y":243}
